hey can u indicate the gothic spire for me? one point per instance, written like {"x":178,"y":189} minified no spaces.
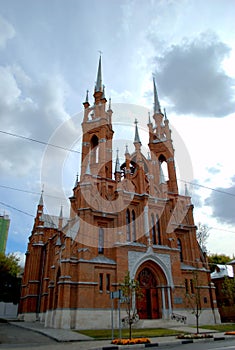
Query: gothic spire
{"x":117,"y":165}
{"x":110,"y":103}
{"x":157,"y":108}
{"x":41,"y":199}
{"x":127,"y":151}
{"x":165,"y":115}
{"x":76,"y":181}
{"x":87,"y":98}
{"x":98,"y":85}
{"x":137,"y":138}
{"x":61,"y":212}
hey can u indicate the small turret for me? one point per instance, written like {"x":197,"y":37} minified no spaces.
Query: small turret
{"x":117,"y":173}
{"x":60,"y":224}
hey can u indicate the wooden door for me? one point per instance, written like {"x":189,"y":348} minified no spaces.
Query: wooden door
{"x":147,"y":306}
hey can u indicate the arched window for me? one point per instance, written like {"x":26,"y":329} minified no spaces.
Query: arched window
{"x":133,"y":226}
{"x":154,"y":240}
{"x":179,"y":246}
{"x":164,"y":167}
{"x":94,"y":149}
{"x":158,"y":233}
{"x":128,"y":231}
{"x":101,"y":241}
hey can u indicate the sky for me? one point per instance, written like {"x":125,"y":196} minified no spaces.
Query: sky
{"x":49,"y":52}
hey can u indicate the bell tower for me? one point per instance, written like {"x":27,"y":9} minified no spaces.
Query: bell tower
{"x":97,"y":133}
{"x":160,"y":143}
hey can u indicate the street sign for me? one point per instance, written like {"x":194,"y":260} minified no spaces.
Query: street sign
{"x":116,"y":295}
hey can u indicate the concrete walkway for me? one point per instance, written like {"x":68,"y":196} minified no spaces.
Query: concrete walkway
{"x":85,"y":342}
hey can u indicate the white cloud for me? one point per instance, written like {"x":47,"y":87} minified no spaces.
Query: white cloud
{"x":29,"y":108}
{"x":7,"y":32}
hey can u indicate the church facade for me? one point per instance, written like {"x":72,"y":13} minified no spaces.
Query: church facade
{"x":123,"y":217}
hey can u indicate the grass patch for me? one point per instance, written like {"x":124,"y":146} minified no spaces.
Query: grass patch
{"x":136,"y":333}
{"x":220,"y":327}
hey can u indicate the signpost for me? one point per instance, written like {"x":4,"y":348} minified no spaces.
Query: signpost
{"x":116,"y":295}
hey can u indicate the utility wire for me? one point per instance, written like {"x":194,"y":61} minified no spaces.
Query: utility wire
{"x":38,"y":141}
{"x":208,"y":188}
{"x":14,"y":208}
{"x":79,"y":152}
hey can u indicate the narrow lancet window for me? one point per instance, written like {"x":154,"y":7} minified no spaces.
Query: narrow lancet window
{"x":128,"y":231}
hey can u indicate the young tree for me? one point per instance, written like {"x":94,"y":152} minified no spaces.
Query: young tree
{"x":130,"y":291}
{"x":228,"y":289}
{"x":193,"y":297}
{"x":10,"y":281}
{"x":202,"y":236}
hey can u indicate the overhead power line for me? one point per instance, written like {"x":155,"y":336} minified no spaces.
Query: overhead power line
{"x":79,"y":152}
{"x":14,"y":208}
{"x":39,"y":141}
{"x":206,"y":187}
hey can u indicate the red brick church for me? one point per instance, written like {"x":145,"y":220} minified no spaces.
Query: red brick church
{"x":126,"y":217}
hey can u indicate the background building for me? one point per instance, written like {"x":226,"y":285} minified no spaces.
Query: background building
{"x":224,"y":280}
{"x":129,"y":217}
{"x":4,"y":228}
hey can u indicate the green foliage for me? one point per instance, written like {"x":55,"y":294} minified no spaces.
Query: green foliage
{"x":131,"y":291}
{"x":215,"y":259}
{"x":228,"y":289}
{"x":10,"y":282}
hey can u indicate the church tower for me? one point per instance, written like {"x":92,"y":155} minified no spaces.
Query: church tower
{"x":97,"y":132}
{"x":160,"y":143}
{"x":129,"y":217}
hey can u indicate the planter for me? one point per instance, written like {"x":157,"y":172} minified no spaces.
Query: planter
{"x":195,"y":336}
{"x":132,"y":341}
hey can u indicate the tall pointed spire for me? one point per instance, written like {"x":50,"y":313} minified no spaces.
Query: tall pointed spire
{"x":157,"y":108}
{"x":98,"y":85}
{"x":137,"y":138}
{"x":41,"y":199}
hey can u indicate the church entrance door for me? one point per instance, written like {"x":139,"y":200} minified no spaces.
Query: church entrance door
{"x":148,"y":306}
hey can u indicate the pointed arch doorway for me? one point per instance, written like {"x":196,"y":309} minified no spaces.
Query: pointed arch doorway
{"x":148,"y":304}
{"x":155,"y":302}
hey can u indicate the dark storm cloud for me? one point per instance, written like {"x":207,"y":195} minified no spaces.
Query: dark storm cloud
{"x":191,"y":77}
{"x":222,"y":202}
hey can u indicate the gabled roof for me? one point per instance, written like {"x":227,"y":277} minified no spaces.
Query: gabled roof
{"x":222,"y":271}
{"x":52,"y":221}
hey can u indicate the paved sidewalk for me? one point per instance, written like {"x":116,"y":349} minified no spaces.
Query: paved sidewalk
{"x":85,"y":342}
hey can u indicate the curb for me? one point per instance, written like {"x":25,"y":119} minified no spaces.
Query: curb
{"x":176,"y":342}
